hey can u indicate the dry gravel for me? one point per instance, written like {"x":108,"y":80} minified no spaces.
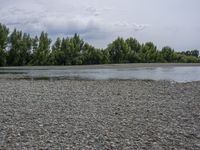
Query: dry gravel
{"x":75,"y":114}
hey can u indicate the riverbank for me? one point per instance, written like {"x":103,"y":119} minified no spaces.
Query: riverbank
{"x":106,"y":66}
{"x":113,"y":114}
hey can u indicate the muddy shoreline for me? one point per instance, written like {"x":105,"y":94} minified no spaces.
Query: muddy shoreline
{"x":113,"y":114}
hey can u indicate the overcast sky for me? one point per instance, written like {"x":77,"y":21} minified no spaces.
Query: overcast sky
{"x":165,"y":22}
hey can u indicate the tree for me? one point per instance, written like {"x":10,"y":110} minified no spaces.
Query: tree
{"x":167,"y":54}
{"x":194,"y":53}
{"x":148,"y":53}
{"x":134,"y":46}
{"x":91,"y":55}
{"x":71,"y":50}
{"x":15,"y":45}
{"x":118,"y":51}
{"x":4,"y":31}
{"x":35,"y":44}
{"x":42,"y":52}
{"x":66,"y":57}
{"x":19,"y":49}
{"x":105,"y":56}
{"x":25,"y":50}
{"x":76,"y":49}
{"x":56,"y":54}
{"x":2,"y":57}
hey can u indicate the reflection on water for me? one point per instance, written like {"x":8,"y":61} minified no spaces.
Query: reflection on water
{"x":178,"y":74}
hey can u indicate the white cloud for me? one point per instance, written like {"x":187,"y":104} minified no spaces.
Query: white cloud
{"x":102,"y":21}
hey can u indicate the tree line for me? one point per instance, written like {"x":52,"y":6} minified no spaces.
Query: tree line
{"x":20,"y":49}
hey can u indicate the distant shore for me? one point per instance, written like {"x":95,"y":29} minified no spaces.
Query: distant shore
{"x":132,"y":65}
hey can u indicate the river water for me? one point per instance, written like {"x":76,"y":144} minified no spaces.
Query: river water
{"x":177,"y":73}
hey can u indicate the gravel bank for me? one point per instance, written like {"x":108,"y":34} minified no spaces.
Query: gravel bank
{"x":72,"y":114}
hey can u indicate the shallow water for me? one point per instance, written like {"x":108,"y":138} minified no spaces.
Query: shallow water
{"x":178,"y":73}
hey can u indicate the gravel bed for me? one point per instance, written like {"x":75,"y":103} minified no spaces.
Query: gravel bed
{"x":114,"y":114}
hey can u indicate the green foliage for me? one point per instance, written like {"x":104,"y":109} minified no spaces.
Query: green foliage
{"x":119,"y":51}
{"x":16,"y":46}
{"x":92,"y":55}
{"x":167,"y":53}
{"x":42,"y":52}
{"x":2,"y":57}
{"x":194,"y":53}
{"x":55,"y":57}
{"x":148,"y":53}
{"x":105,"y":57}
{"x":133,"y":44}
{"x":76,"y":50}
{"x":19,"y":49}
{"x":3,"y":43}
{"x":70,"y":51}
{"x":25,"y":51}
{"x":134,"y":47}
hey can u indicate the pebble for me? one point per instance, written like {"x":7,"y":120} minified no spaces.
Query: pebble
{"x":128,"y":114}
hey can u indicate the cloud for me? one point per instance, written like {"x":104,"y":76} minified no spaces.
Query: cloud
{"x":131,"y":26}
{"x":55,"y":23}
{"x":89,"y":21}
{"x":71,"y":26}
{"x":35,"y":18}
{"x":23,"y":19}
{"x":140,"y":27}
{"x":92,"y":11}
{"x":89,"y":24}
{"x":98,"y":22}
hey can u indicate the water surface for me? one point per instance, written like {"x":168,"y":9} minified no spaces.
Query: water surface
{"x":173,"y":73}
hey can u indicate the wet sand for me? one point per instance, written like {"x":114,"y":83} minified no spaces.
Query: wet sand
{"x":113,"y":114}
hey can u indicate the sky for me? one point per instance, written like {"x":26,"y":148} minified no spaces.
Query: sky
{"x":174,"y":23}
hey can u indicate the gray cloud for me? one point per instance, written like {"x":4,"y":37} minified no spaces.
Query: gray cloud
{"x":78,"y":25}
{"x":172,"y":22}
{"x":93,"y":11}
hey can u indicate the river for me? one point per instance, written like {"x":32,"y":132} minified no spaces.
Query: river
{"x":183,"y":73}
